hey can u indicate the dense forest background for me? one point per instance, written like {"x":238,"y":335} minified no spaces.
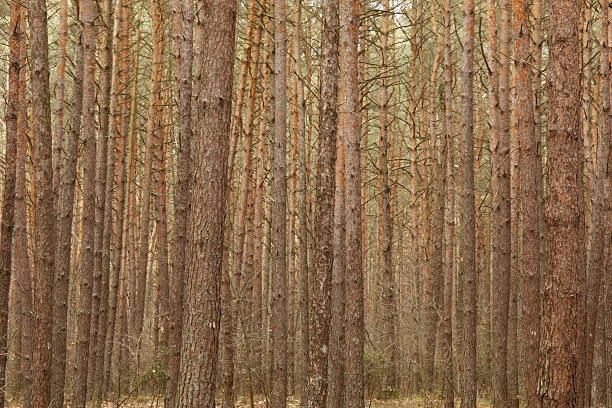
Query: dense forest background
{"x":331,"y":201}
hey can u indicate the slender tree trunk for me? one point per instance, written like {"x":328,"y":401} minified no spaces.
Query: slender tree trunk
{"x":108,"y":103}
{"x":278,"y":394}
{"x":183,"y":48}
{"x":349,"y":132}
{"x":600,"y":207}
{"x":44,"y":233}
{"x":208,"y":187}
{"x":468,"y":246}
{"x":104,"y":165}
{"x":8,"y":194}
{"x":20,"y":240}
{"x":65,"y":213}
{"x":88,"y":12}
{"x":500,"y":218}
{"x":561,"y":382}
{"x":386,"y":229}
{"x":320,"y":290}
{"x":449,"y":214}
{"x":337,"y":337}
{"x":529,"y":201}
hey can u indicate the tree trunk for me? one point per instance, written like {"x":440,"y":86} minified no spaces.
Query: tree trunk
{"x":44,"y":233}
{"x":20,"y":240}
{"x":320,"y":290}
{"x":561,"y":382}
{"x":349,"y":131}
{"x":500,"y":218}
{"x":529,"y":201}
{"x":278,"y":327}
{"x":88,"y":12}
{"x":8,"y":194}
{"x":183,"y":48}
{"x":208,"y":187}
{"x":600,"y":207}
{"x":65,"y":213}
{"x":449,"y":214}
{"x":468,"y":246}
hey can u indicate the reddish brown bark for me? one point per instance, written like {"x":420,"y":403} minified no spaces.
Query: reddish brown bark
{"x":349,"y":132}
{"x":320,"y":284}
{"x":88,"y":12}
{"x":561,"y":381}
{"x":278,"y":273}
{"x":208,"y":186}
{"x":44,"y":230}
{"x":8,"y":194}
{"x":468,"y":245}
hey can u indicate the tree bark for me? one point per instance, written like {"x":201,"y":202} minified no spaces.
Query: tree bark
{"x":44,"y":233}
{"x":349,"y":131}
{"x":599,"y":206}
{"x":278,"y":327}
{"x":500,"y":218}
{"x":561,"y":382}
{"x":320,"y":290}
{"x":449,"y":214}
{"x":468,"y":245}
{"x":208,"y":186}
{"x":183,"y":48}
{"x":8,"y":194}
{"x":88,"y":12}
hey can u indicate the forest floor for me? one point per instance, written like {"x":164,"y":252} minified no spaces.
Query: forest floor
{"x":408,"y":402}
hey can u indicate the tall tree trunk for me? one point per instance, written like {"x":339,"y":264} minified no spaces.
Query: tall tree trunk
{"x":561,"y":382}
{"x":278,"y":393}
{"x":208,"y":189}
{"x":391,"y":346}
{"x":44,"y":233}
{"x":600,"y":207}
{"x":65,"y":213}
{"x":500,"y":218}
{"x":449,"y":213}
{"x":108,"y":103}
{"x":20,"y":240}
{"x":349,"y":131}
{"x":88,"y":12}
{"x":337,"y":333}
{"x":183,"y":48}
{"x":468,"y":245}
{"x":104,"y":167}
{"x":529,"y":201}
{"x":8,"y":194}
{"x":320,"y":290}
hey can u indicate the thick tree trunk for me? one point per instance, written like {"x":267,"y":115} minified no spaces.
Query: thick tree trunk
{"x":208,"y":188}
{"x":561,"y":382}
